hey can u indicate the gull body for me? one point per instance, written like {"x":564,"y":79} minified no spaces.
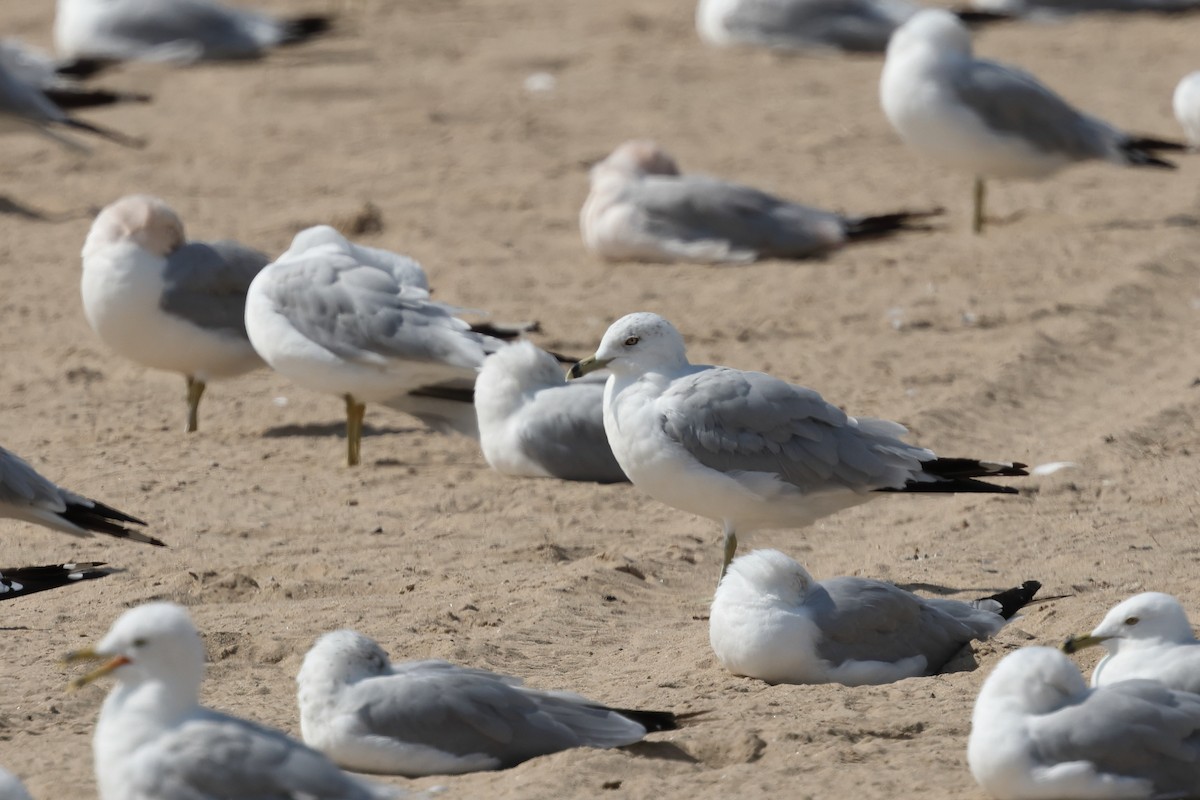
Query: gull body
{"x":28,"y":496}
{"x":21,"y":581}
{"x":746,"y":449}
{"x":336,"y":322}
{"x":167,"y":303}
{"x":11,"y":787}
{"x":1038,"y":732}
{"x":641,"y":208}
{"x":1147,"y":636}
{"x":1186,"y":104}
{"x":533,"y":423}
{"x":989,"y":119}
{"x":433,"y":717}
{"x":175,"y":31}
{"x":857,"y":26}
{"x":154,"y":741}
{"x":772,"y":621}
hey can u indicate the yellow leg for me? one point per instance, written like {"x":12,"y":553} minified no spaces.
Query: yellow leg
{"x":354,"y":423}
{"x":730,"y":549}
{"x":195,"y":390}
{"x":980,"y":194}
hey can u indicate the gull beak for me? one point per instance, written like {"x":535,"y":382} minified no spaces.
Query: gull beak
{"x":1076,"y":643}
{"x":89,"y":654}
{"x":589,"y":364}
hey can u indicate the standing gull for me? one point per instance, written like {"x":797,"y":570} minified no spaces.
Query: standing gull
{"x":748,"y":450}
{"x":167,"y":303}
{"x":335,"y":322}
{"x":154,"y":741}
{"x":534,"y":423}
{"x":1038,"y":732}
{"x":989,"y":119}
{"x":21,"y":581}
{"x":770,"y":620}
{"x":27,"y":496}
{"x":1147,"y":636}
{"x":432,"y":717}
{"x":175,"y":31}
{"x":641,"y":208}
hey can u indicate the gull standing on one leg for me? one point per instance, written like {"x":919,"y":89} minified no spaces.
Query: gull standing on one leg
{"x":990,"y":119}
{"x":748,"y":450}
{"x":167,"y":303}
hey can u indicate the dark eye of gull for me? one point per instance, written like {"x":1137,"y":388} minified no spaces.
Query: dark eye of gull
{"x":1132,"y":621}
{"x":631,"y":341}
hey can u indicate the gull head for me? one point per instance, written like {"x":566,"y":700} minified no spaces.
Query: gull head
{"x":634,"y":159}
{"x":766,"y":574}
{"x":636,"y":344}
{"x":343,"y":657}
{"x":1032,"y":680}
{"x":1146,"y":618}
{"x":147,"y":221}
{"x":522,"y":364}
{"x":317,"y":236}
{"x":153,"y":642}
{"x":934,"y":28}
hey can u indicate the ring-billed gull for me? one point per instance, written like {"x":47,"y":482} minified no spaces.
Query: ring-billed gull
{"x":748,"y":450}
{"x":534,"y":423}
{"x":1146,"y":636}
{"x":335,"y":322}
{"x":433,"y":717}
{"x":23,"y":105}
{"x":1039,"y":732}
{"x":1186,"y":104}
{"x":641,"y":208}
{"x":11,"y":787}
{"x":154,"y":741}
{"x":27,"y":496}
{"x":165,"y":302}
{"x":990,"y":119}
{"x":855,"y":26}
{"x":175,"y":31}
{"x":770,"y":620}
{"x":22,"y":581}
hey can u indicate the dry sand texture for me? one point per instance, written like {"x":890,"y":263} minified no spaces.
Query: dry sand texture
{"x":1069,"y":334}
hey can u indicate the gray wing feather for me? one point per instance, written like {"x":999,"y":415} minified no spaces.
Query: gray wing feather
{"x":1014,"y":102}
{"x":565,"y":434}
{"x":467,"y":712}
{"x":216,"y":31}
{"x":731,"y":420}
{"x":22,"y":486}
{"x":361,"y":313}
{"x":854,"y":25}
{"x":223,"y":758}
{"x":25,"y":101}
{"x":206,"y":284}
{"x":696,"y":208}
{"x":1132,"y":728}
{"x":865,"y":620}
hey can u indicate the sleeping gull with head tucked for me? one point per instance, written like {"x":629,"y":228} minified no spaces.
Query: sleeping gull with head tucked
{"x":990,"y":119}
{"x":167,"y":303}
{"x":1039,"y":732}
{"x":28,"y":496}
{"x":1147,"y":636}
{"x":336,"y":320}
{"x":533,"y":423}
{"x":173,"y":31}
{"x":748,"y":450}
{"x":154,"y":741}
{"x":770,"y":620}
{"x":641,"y":208}
{"x":433,"y":717}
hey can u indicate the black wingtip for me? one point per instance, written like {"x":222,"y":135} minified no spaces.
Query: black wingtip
{"x":859,"y":228}
{"x":75,"y":98}
{"x":101,"y":518}
{"x":652,"y":721}
{"x":1139,"y":151}
{"x":1013,"y":600}
{"x":21,"y":581}
{"x":83,"y":68}
{"x":301,"y":29}
{"x":506,"y":332}
{"x":978,"y":19}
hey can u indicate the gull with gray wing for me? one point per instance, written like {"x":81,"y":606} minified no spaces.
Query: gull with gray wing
{"x":433,"y":717}
{"x":990,"y":119}
{"x":1039,"y":732}
{"x":748,"y":450}
{"x":167,"y":303}
{"x":770,"y":620}
{"x":28,"y":496}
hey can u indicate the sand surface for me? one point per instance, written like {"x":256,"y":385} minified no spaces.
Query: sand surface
{"x":1068,"y":334}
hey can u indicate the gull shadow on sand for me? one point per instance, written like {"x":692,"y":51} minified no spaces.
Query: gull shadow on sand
{"x":663,"y":751}
{"x":329,"y":429}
